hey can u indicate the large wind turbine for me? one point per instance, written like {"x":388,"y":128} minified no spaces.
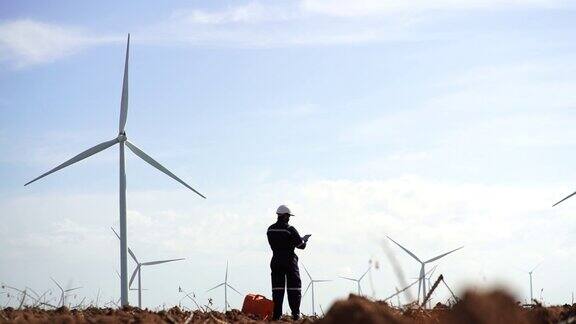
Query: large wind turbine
{"x":311,"y":284}
{"x":357,"y":280}
{"x":226,"y":286}
{"x":122,"y":140}
{"x":138,"y":270}
{"x":422,"y":276}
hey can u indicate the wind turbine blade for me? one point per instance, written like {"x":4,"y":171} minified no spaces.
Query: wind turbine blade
{"x":348,"y":278}
{"x":215,"y":287}
{"x":124,"y":102}
{"x":132,"y":255}
{"x":226,"y":276}
{"x":67,"y":290}
{"x":129,"y":250}
{"x":308,"y":273}
{"x":89,"y":152}
{"x":133,"y":275}
{"x":324,"y":280}
{"x":159,"y":262}
{"x":364,"y":274}
{"x":536,"y":267}
{"x":239,"y":293}
{"x":113,"y":230}
{"x":307,"y":287}
{"x":574,"y":193}
{"x":159,"y":166}
{"x":405,"y":249}
{"x":443,"y":255}
{"x":431,"y":272}
{"x":57,"y":283}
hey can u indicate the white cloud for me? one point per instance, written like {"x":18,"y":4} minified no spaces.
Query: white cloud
{"x":348,"y":220}
{"x":252,"y":12}
{"x":27,"y":42}
{"x":362,"y":8}
{"x":494,"y":105}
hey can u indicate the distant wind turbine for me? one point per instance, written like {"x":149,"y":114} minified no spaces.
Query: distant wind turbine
{"x":357,"y":280}
{"x":226,"y":286}
{"x":190,"y":295}
{"x":530,"y":274}
{"x":311,"y":284}
{"x":122,"y":140}
{"x":422,"y":278}
{"x":428,"y":278}
{"x":63,"y":292}
{"x":138,"y":270}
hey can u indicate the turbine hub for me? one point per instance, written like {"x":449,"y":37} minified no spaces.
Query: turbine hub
{"x":122,"y":137}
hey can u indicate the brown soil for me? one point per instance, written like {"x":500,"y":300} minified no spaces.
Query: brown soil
{"x":495,"y":307}
{"x":127,"y":315}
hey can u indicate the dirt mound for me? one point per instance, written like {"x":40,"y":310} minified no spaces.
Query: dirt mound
{"x":496,"y":307}
{"x":360,"y":310}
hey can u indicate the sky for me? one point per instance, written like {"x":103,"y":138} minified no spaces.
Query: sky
{"x":438,"y":123}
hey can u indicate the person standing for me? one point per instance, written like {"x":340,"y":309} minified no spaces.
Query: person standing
{"x":283,"y":239}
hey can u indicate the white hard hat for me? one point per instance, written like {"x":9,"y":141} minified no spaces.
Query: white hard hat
{"x":284,"y":210}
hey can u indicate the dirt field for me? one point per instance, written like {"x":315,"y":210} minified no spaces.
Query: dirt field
{"x":495,"y":307}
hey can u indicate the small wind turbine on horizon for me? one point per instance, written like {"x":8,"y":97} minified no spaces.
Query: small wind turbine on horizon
{"x":138,"y":270}
{"x":122,"y":140}
{"x":530,"y":274}
{"x":311,"y":284}
{"x":428,"y":278}
{"x":422,"y":277}
{"x":357,"y":281}
{"x":63,"y":291}
{"x":190,"y":295}
{"x":226,"y":286}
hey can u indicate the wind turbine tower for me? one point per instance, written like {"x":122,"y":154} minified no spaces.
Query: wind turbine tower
{"x":122,"y":140}
{"x":422,"y":276}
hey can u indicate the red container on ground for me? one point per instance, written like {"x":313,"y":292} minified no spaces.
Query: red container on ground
{"x":258,"y":305}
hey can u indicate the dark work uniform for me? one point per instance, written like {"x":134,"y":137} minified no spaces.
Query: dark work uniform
{"x":283,"y":239}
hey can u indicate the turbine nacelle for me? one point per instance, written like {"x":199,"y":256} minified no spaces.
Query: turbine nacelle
{"x":122,"y":137}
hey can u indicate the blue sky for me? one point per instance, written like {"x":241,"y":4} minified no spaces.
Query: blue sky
{"x":439,"y":123}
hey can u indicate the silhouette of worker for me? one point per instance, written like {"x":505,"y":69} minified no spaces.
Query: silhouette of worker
{"x":283,"y":239}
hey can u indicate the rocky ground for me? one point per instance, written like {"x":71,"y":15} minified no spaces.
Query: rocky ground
{"x":495,"y":307}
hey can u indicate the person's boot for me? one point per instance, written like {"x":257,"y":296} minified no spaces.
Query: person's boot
{"x":295,"y":317}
